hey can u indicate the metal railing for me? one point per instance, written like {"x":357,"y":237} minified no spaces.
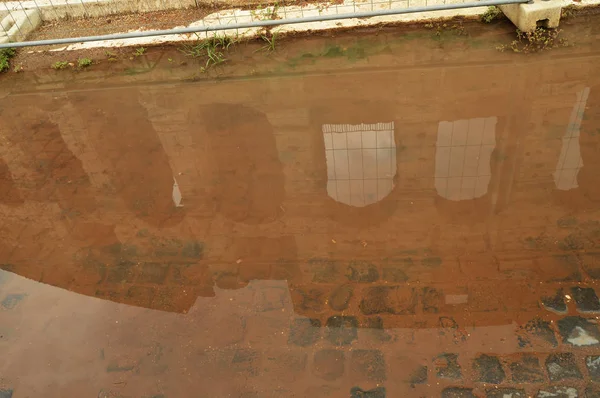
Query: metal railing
{"x":18,"y":19}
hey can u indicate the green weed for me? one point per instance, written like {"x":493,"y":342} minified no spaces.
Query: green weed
{"x":84,"y":62}
{"x":210,"y":49}
{"x":139,"y":51}
{"x":492,"y":13}
{"x":270,"y":46}
{"x":60,"y":65}
{"x":568,"y":11}
{"x":540,"y":39}
{"x":5,"y":55}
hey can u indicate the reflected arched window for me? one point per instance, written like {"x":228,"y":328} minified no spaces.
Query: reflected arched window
{"x":462,"y":158}
{"x":570,"y":161}
{"x":361,"y":162}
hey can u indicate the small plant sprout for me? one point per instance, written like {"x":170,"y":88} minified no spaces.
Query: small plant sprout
{"x":270,"y":46}
{"x":18,"y":68}
{"x":210,"y":49}
{"x":140,"y":51}
{"x":84,"y":62}
{"x":58,"y":65}
{"x":492,"y":13}
{"x":5,"y":56}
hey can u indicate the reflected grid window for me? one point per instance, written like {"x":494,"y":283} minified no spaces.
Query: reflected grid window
{"x":462,"y":157}
{"x":361,"y":162}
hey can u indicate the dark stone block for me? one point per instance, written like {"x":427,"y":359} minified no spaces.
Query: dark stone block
{"x":356,"y":392}
{"x":246,"y":361}
{"x":324,"y":270}
{"x":458,"y":392}
{"x":6,"y":393}
{"x":304,"y":332}
{"x":562,"y":367}
{"x":557,"y":392}
{"x":527,"y":370}
{"x":592,"y":391}
{"x":433,"y":299}
{"x":538,"y":332}
{"x":123,"y":272}
{"x":312,"y":300}
{"x":578,"y":331}
{"x":431,"y":261}
{"x":368,"y":364}
{"x":362,"y":271}
{"x":193,"y":249}
{"x":342,"y":330}
{"x":329,"y":364}
{"x":447,"y":366}
{"x":488,"y":369}
{"x":11,"y":300}
{"x":586,"y":299}
{"x":555,"y":303}
{"x":505,"y":393}
{"x":395,"y":300}
{"x":394,"y":275}
{"x":340,"y":297}
{"x":419,"y":376}
{"x":593,"y":365}
{"x":373,"y":327}
{"x":153,"y":273}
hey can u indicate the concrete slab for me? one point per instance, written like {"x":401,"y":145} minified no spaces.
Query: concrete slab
{"x":17,"y":25}
{"x":538,"y":13}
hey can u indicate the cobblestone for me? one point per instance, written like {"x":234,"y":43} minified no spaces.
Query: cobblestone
{"x":555,"y":303}
{"x":458,"y":392}
{"x":558,"y":392}
{"x":488,"y":369}
{"x":341,"y":330}
{"x":328,"y":364}
{"x":362,"y":272}
{"x":395,"y":300}
{"x":357,"y":392}
{"x":324,"y":270}
{"x":419,"y":376}
{"x":526,"y":370}
{"x":368,"y":364}
{"x":246,"y":361}
{"x":447,"y":366}
{"x":505,"y":393}
{"x":537,"y":332}
{"x":340,"y":297}
{"x":593,"y":366}
{"x":592,"y":391}
{"x":578,"y":331}
{"x":433,"y":300}
{"x":304,"y":332}
{"x":562,"y":367}
{"x":586,"y":299}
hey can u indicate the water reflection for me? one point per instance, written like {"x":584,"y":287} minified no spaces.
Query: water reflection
{"x":255,"y":287}
{"x":361,"y":162}
{"x":570,"y":160}
{"x":463,"y":158}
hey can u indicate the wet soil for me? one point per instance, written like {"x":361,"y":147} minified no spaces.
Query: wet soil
{"x":396,"y":213}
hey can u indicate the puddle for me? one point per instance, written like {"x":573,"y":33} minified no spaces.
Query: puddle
{"x":372,"y":216}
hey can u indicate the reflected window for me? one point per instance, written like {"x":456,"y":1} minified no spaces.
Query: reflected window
{"x":462,"y":158}
{"x":570,"y":161}
{"x":361,"y":162}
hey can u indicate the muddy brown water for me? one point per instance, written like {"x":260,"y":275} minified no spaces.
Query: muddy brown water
{"x":392,"y":213}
